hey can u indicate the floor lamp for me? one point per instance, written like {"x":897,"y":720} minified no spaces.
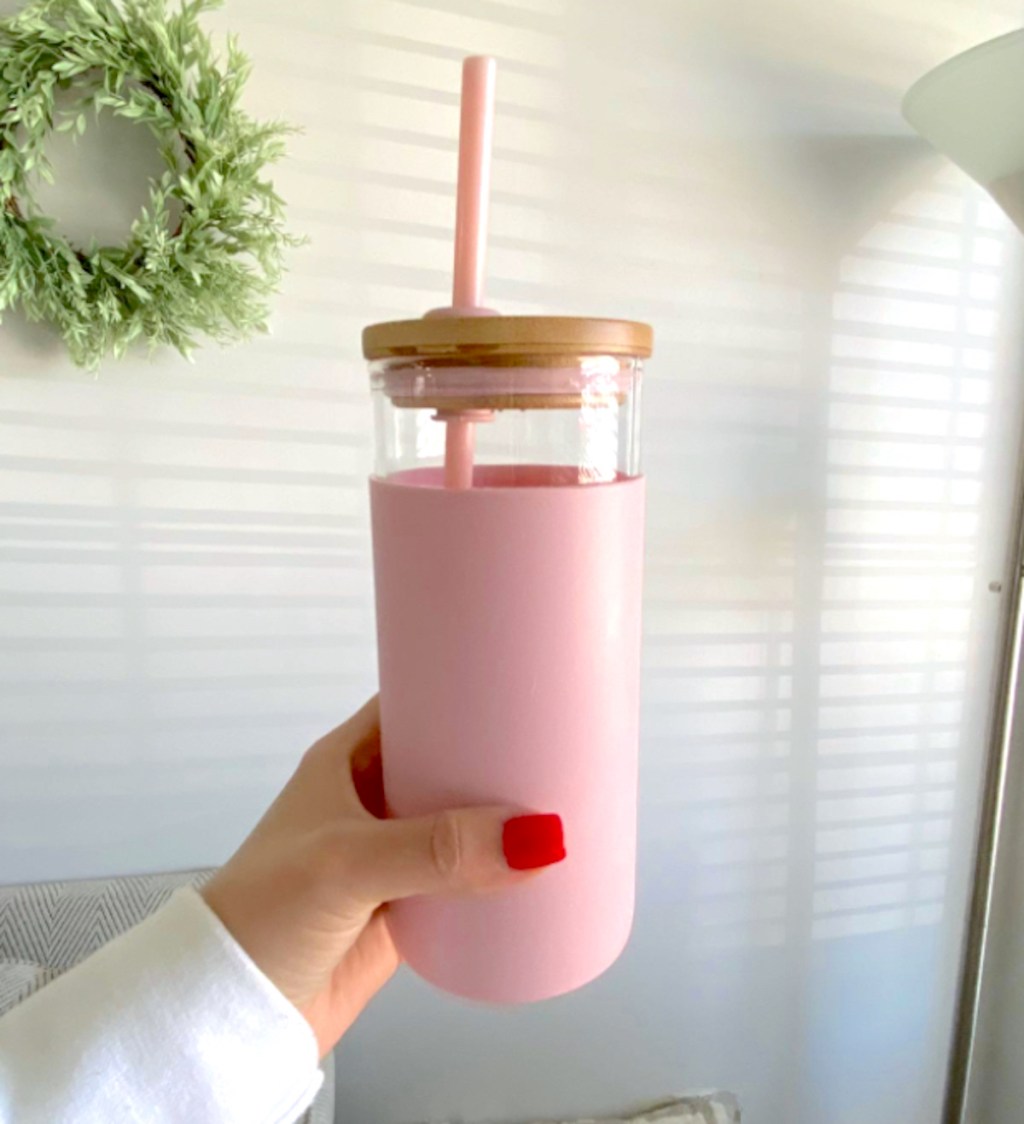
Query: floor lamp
{"x":971,"y":108}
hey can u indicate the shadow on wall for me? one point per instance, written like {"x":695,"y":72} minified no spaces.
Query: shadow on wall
{"x":810,"y":669}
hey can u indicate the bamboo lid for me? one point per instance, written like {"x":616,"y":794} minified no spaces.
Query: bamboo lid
{"x":480,"y":338}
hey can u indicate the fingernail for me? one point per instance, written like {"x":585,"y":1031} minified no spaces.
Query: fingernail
{"x":530,"y":842}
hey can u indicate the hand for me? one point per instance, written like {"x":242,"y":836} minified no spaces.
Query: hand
{"x":304,"y":893}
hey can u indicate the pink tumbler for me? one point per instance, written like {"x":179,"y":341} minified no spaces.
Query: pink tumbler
{"x":508,"y":512}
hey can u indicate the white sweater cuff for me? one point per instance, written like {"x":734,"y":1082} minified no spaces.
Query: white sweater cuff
{"x":171,"y":1021}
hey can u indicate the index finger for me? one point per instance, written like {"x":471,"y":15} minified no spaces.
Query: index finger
{"x":354,"y":750}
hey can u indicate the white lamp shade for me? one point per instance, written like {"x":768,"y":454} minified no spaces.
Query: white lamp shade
{"x":972,"y":109}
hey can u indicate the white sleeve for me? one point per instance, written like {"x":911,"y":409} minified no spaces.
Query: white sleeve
{"x":171,"y":1023}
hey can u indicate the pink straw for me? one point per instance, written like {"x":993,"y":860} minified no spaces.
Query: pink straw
{"x":459,"y":440}
{"x":476,"y":129}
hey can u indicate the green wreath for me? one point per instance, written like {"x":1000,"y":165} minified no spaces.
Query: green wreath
{"x":212,"y":269}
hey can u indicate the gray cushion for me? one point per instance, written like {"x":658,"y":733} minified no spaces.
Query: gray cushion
{"x":712,"y":1108}
{"x":49,"y":927}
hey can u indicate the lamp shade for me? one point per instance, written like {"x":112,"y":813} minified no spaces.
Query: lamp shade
{"x":971,"y":108}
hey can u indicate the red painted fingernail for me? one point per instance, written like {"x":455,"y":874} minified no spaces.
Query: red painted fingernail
{"x":530,"y":842}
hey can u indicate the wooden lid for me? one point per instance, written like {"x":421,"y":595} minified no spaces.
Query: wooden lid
{"x":483,"y":337}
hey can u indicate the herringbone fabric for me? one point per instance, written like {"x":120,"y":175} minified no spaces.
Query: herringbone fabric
{"x":47,"y":928}
{"x":57,"y":924}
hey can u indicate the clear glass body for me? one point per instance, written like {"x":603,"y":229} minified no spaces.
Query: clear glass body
{"x":581,"y":415}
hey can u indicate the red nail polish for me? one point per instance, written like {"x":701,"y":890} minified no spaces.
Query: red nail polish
{"x":530,"y":842}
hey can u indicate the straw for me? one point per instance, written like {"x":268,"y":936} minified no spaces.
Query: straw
{"x":459,"y":442}
{"x":476,"y":128}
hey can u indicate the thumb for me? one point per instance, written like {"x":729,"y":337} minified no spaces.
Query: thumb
{"x":471,"y":849}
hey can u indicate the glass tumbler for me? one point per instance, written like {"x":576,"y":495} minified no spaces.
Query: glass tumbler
{"x":508,"y":520}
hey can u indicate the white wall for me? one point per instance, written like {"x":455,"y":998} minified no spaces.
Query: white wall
{"x":831,"y":420}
